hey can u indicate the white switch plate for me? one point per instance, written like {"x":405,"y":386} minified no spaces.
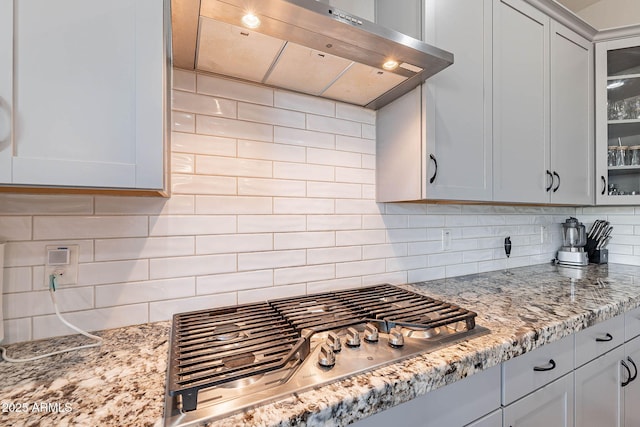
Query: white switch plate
{"x":67,"y":274}
{"x":446,"y":239}
{"x":544,"y":235}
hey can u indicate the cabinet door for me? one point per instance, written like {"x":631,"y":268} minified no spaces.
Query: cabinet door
{"x":571,"y":117}
{"x":458,"y":102}
{"x":88,"y":94}
{"x":632,"y":390}
{"x":598,"y":391}
{"x":520,"y":100}
{"x":552,"y":405}
{"x":6,"y":75}
{"x":617,"y":104}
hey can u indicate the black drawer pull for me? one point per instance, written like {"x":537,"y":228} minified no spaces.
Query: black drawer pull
{"x":633,"y":377}
{"x":608,"y":337}
{"x":435,"y":173}
{"x":625,"y":383}
{"x":550,"y":185}
{"x":551,"y":366}
{"x":558,"y":176}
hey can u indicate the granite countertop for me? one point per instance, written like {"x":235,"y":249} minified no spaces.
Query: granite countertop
{"x":122,"y":382}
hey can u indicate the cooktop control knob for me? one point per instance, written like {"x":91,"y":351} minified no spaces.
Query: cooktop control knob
{"x":326,"y":357}
{"x":370,"y":333}
{"x":333,"y":341}
{"x":396,"y":339}
{"x":353,"y":338}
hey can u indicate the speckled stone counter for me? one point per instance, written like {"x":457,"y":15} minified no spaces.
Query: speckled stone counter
{"x":122,"y":383}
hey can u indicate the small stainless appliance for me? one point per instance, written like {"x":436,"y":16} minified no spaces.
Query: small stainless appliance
{"x":225,"y":360}
{"x":574,"y":239}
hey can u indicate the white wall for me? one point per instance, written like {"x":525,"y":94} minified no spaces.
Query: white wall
{"x":273,"y":195}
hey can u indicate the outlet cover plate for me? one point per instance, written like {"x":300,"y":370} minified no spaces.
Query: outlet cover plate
{"x":67,"y":273}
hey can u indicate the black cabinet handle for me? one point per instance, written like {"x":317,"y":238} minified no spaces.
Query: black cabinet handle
{"x":625,"y":383}
{"x":549,"y":367}
{"x":635,"y":368}
{"x":435,"y":162}
{"x":557,"y":186}
{"x":604,"y":184}
{"x":608,"y":337}
{"x":550,"y":185}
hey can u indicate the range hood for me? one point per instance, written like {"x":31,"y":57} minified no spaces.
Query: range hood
{"x":302,"y":45}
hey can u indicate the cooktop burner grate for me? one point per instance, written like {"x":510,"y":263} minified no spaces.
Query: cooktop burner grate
{"x":218,"y":346}
{"x":319,"y":312}
{"x":213,"y":347}
{"x":400,"y":307}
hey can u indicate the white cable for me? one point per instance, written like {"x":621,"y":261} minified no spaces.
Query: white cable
{"x":75,"y":328}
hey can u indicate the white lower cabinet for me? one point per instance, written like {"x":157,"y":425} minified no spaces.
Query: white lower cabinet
{"x":632,"y":389}
{"x":537,"y":387}
{"x":598,"y":391}
{"x":588,"y":379}
{"x":552,"y":405}
{"x":494,"y":419}
{"x":457,"y":404}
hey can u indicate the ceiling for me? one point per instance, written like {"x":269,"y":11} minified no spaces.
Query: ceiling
{"x":577,"y":5}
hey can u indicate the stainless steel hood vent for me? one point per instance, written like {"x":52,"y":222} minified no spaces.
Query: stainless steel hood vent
{"x":302,"y":45}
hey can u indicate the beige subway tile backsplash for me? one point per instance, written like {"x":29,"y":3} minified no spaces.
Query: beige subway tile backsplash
{"x":79,"y":227}
{"x":273,"y":195}
{"x":304,"y":103}
{"x":269,"y":115}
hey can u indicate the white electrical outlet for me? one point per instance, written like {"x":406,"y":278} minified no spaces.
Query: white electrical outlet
{"x":61,"y":261}
{"x":446,"y":239}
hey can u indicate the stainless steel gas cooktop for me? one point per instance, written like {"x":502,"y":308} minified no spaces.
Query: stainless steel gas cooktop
{"x":226,"y":360}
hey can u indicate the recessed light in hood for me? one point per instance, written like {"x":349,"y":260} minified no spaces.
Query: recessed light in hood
{"x":301,"y":45}
{"x":250,"y":20}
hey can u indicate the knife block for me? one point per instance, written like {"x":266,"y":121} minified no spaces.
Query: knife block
{"x":599,"y":256}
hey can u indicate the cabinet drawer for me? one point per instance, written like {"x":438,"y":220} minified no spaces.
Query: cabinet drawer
{"x":598,"y":339}
{"x":551,"y":361}
{"x":632,"y":324}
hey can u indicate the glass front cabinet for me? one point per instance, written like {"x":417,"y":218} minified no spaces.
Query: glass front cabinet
{"x":618,"y":121}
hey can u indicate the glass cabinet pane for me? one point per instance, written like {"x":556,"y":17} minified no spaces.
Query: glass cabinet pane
{"x":623,"y":121}
{"x":621,"y":62}
{"x":623,"y":98}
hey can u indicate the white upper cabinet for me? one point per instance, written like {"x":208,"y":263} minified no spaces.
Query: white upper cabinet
{"x":572,"y":149}
{"x":618,"y":121}
{"x":458,"y":102}
{"x":6,"y":72}
{"x":435,"y":142}
{"x":84,"y":83}
{"x":521,"y":103}
{"x":543,"y":108}
{"x":509,"y":121}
